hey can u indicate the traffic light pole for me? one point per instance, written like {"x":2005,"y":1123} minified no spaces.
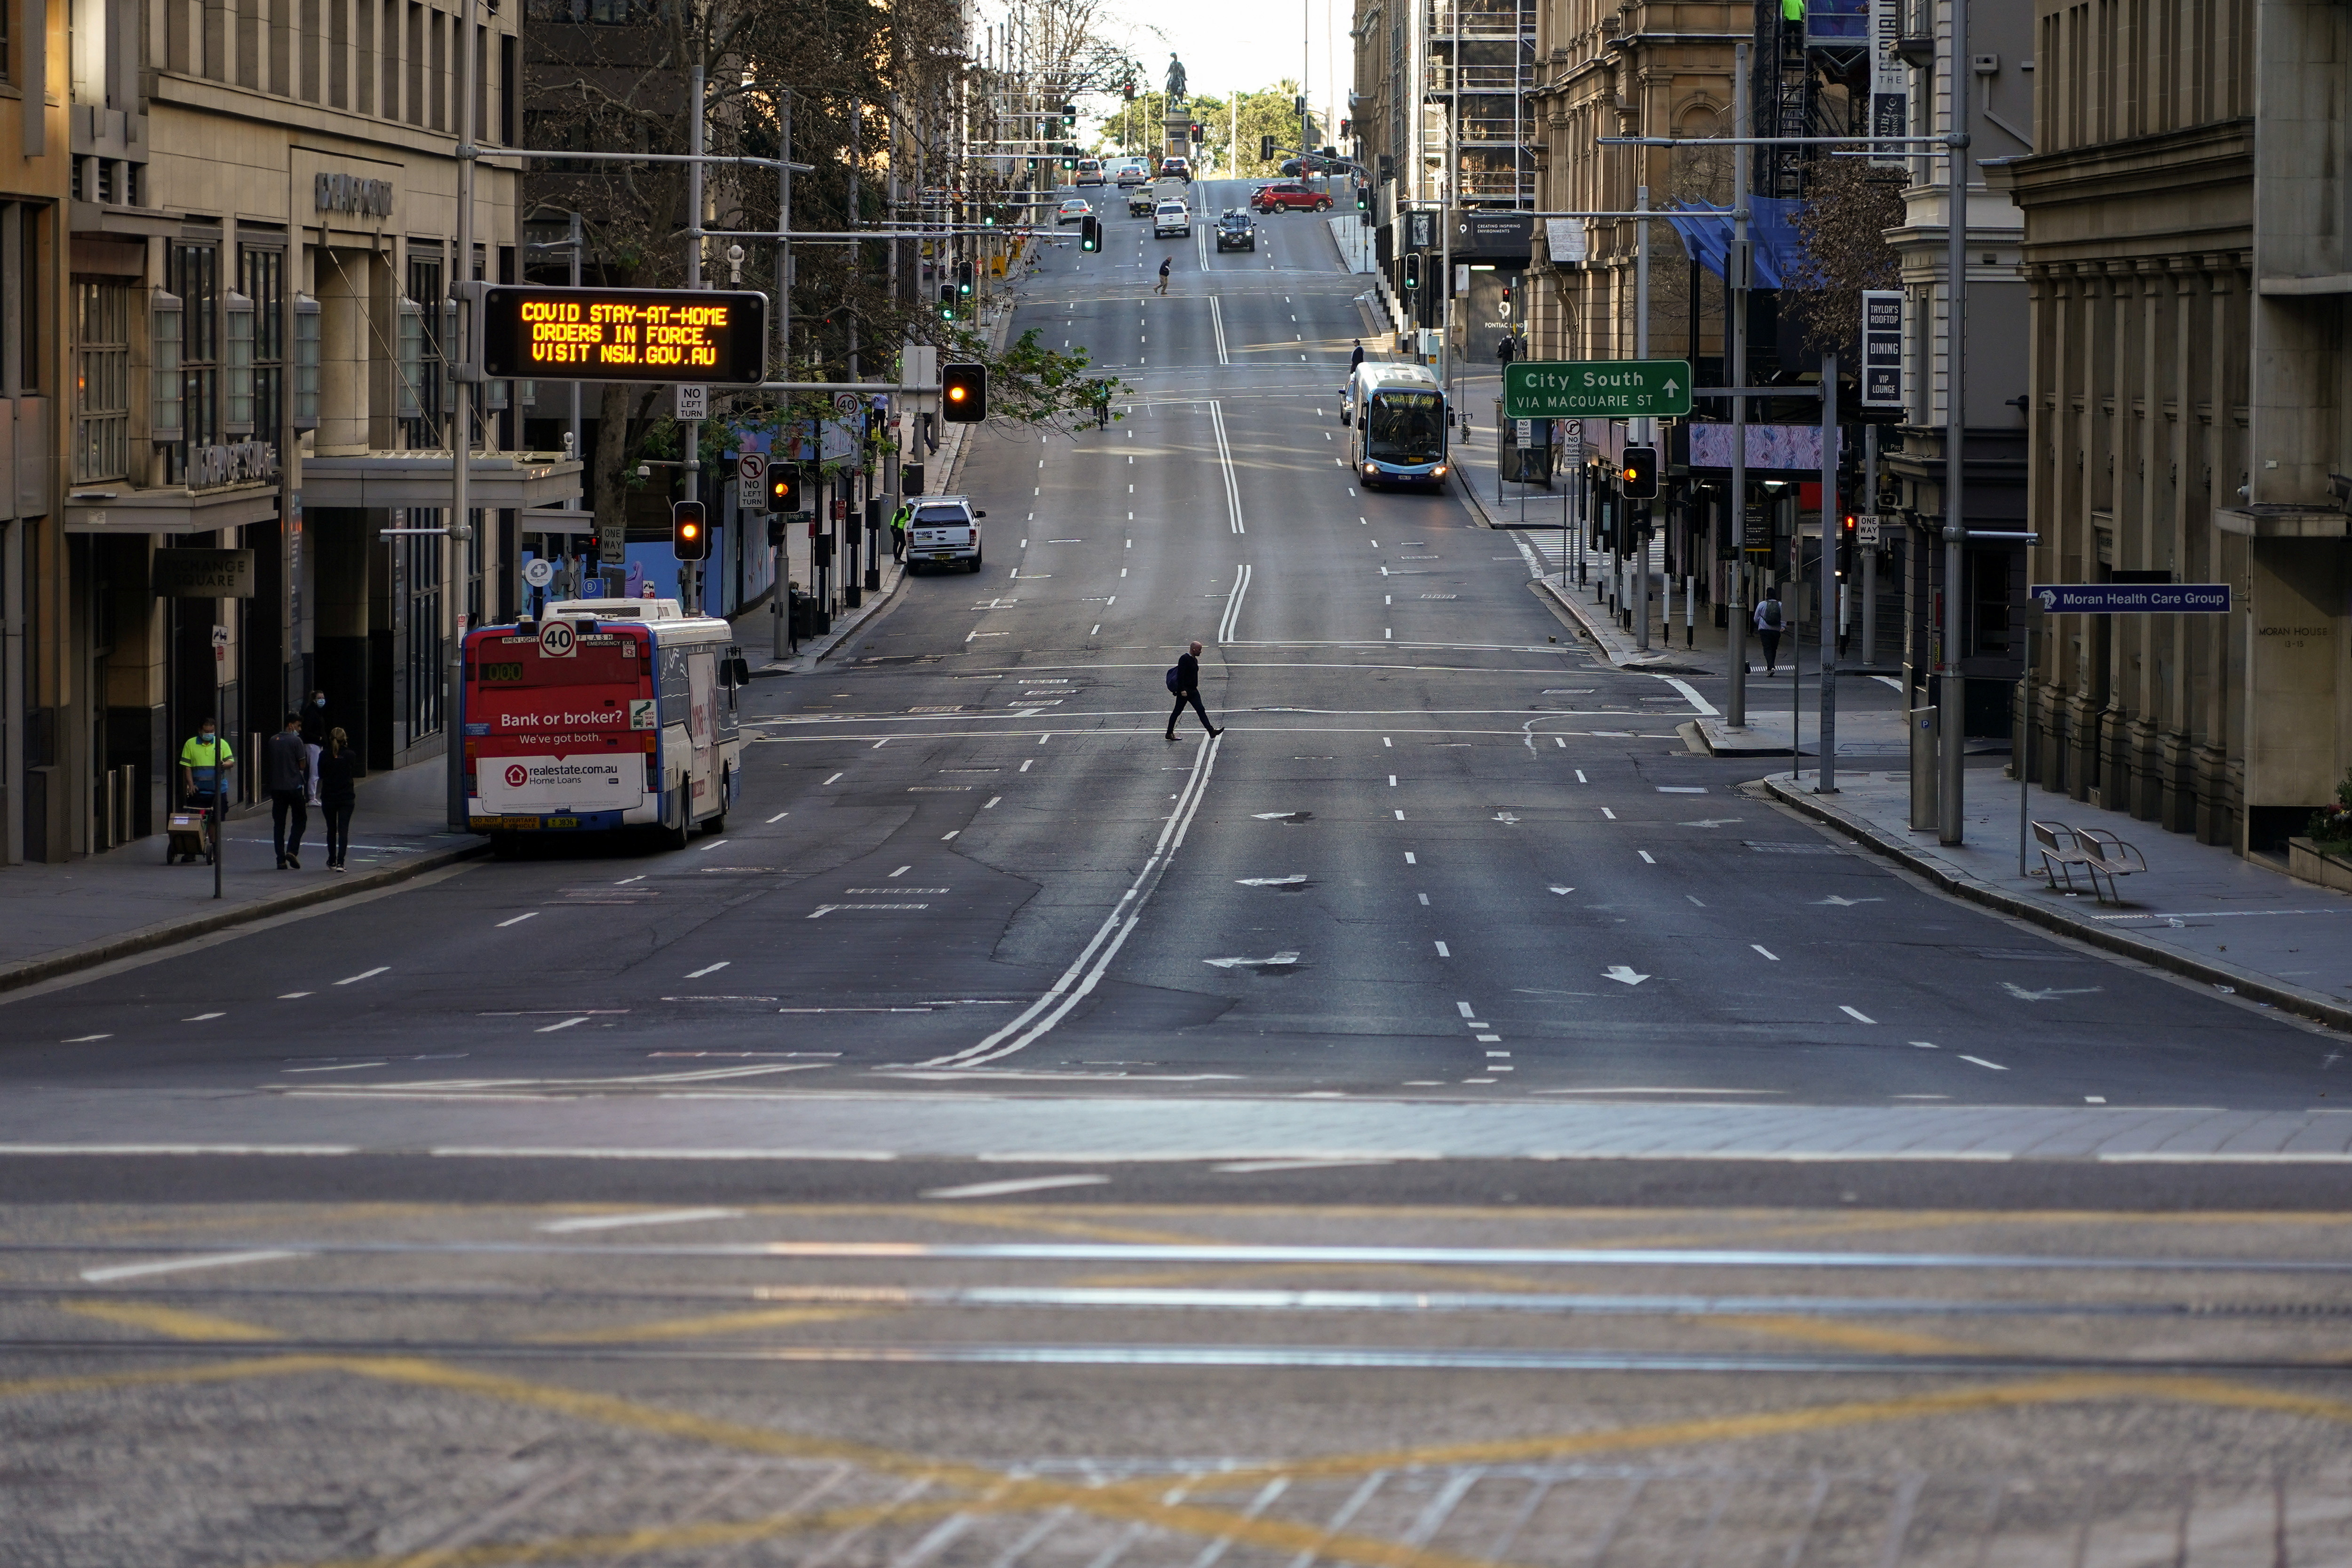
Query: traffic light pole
{"x":1825,"y":782}
{"x":1735,"y":275}
{"x":690,"y":579}
{"x":1640,"y":538}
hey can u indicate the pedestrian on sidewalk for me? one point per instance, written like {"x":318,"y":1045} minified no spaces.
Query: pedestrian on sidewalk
{"x":205,"y":762}
{"x":286,"y":774}
{"x":1184,"y":680}
{"x":1767,"y":629}
{"x":337,"y":795}
{"x":1505,"y":349}
{"x":315,"y":725}
{"x":1165,"y":263}
{"x":1357,"y":358}
{"x":898,"y":520}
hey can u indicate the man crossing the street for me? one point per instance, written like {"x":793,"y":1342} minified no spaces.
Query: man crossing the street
{"x":1184,"y":680}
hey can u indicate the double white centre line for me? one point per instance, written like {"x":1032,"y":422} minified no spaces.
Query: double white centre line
{"x":1229,"y":627}
{"x":1225,"y":463}
{"x":1093,"y":960}
{"x":1217,"y":320}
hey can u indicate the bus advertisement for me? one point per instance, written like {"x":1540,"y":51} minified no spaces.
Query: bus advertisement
{"x":608,"y":714}
{"x":1398,"y":414}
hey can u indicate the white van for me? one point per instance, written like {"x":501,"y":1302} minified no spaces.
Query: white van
{"x":944,"y":531}
{"x":1172,"y":218}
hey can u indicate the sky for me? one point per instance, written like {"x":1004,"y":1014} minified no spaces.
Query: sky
{"x":1250,"y":44}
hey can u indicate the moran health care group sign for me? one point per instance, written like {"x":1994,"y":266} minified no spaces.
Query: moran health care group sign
{"x":2131,"y":598}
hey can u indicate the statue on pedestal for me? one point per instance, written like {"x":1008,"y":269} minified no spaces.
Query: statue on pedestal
{"x":1175,"y":79}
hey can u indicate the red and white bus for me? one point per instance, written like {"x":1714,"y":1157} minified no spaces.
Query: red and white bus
{"x":609,"y":713}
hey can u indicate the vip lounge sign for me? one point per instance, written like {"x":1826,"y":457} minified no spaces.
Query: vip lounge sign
{"x":1882,"y":348}
{"x":242,"y":463}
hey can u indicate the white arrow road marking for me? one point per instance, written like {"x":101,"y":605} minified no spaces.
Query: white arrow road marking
{"x":2022,"y":995}
{"x":1847,"y":903}
{"x":1856,"y":1014}
{"x":1983,"y":1063}
{"x":1622,"y":975}
{"x":1506,"y":816}
{"x":1297,"y":882}
{"x":1709,"y":822}
{"x":1282,"y":815}
{"x":1278,"y":960}
{"x":1563,"y":889}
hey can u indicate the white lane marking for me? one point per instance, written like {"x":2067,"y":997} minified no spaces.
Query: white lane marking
{"x":1983,"y":1063}
{"x":1225,"y":462}
{"x":174,"y":1265}
{"x":617,"y":1221}
{"x":1298,"y":880}
{"x":1580,"y":778}
{"x":1217,"y":321}
{"x":1695,"y":899}
{"x":2022,"y":995}
{"x":1282,"y":959}
{"x":1856,"y":1014}
{"x":1557,"y":889}
{"x":1086,"y":971}
{"x":945,"y":836}
{"x":1443,"y":952}
{"x":1409,"y":859}
{"x":822,"y":911}
{"x":1681,"y":789}
{"x":85,"y":1039}
{"x":1261,"y":1167}
{"x":1833,"y":900}
{"x":1466,"y":1010}
{"x":1609,"y":814}
{"x":991,"y":802}
{"x":778,"y":817}
{"x":885,"y":740}
{"x":1229,"y":626}
{"x":1097,"y":628}
{"x":710,"y":969}
{"x":712,"y":844}
{"x":201,"y":1017}
{"x":566,"y":1024}
{"x":518,"y":919}
{"x":1622,"y":975}
{"x":1646,"y":859}
{"x":1925,"y":1044}
{"x":364,"y":975}
{"x":1560,"y":744}
{"x":1400,"y":816}
{"x":1393,"y":781}
{"x":1017,"y":1185}
{"x":1386,"y":741}
{"x":1025,"y":766}
{"x":282,"y":997}
{"x":626,"y":880}
{"x":2095,"y":1100}
{"x":1690,"y":693}
{"x":1765,"y":951}
{"x":835,"y":779}
{"x":902,"y":870}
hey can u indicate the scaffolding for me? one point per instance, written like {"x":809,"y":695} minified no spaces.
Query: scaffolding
{"x":1482,"y":59}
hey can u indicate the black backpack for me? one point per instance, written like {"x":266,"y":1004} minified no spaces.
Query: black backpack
{"x":1175,"y":678}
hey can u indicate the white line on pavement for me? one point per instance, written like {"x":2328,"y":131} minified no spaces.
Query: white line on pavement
{"x":1765,"y":951}
{"x":551,"y":1028}
{"x":616,"y":1221}
{"x":1983,"y":1063}
{"x":518,"y":919}
{"x":364,"y":975}
{"x":174,"y":1265}
{"x":1856,"y":1014}
{"x":1017,"y":1184}
{"x":709,"y":968}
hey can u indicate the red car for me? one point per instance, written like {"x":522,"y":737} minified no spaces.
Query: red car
{"x":1289,"y":196}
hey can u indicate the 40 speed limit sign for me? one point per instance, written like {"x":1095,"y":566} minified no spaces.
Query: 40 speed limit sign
{"x":556,"y":640}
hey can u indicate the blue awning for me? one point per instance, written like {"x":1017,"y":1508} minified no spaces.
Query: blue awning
{"x":1771,"y":227}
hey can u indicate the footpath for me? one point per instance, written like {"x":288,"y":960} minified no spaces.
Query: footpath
{"x":56,"y":920}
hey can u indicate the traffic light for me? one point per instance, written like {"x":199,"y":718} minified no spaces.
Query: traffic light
{"x":1363,"y":199}
{"x":1127,"y":89}
{"x":688,"y":539}
{"x":963,"y":279}
{"x":1069,"y":117}
{"x":947,"y":302}
{"x":785,"y":488}
{"x":1347,"y":128}
{"x":1639,"y":478}
{"x":963,"y":393}
{"x":1265,"y":148}
{"x":1507,"y":297}
{"x":1090,"y":234}
{"x":1199,"y":133}
{"x":1411,"y":270}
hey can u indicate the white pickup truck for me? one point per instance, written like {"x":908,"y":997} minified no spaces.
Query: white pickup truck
{"x":1169,"y":213}
{"x":944,"y":531}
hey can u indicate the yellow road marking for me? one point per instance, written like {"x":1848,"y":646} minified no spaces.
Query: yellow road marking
{"x":1851,"y":1336}
{"x":712,"y":1324}
{"x":172,"y":1320}
{"x":203,"y":1371}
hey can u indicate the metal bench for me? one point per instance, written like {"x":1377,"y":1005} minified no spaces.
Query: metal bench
{"x":2096,"y":850}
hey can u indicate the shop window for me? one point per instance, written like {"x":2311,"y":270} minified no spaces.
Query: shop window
{"x":102,"y":379}
{"x":263,"y":281}
{"x":195,"y":278}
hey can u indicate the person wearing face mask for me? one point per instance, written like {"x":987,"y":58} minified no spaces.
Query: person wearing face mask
{"x":316,"y":727}
{"x":205,"y":762}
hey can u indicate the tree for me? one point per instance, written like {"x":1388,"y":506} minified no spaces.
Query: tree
{"x":1849,"y":206}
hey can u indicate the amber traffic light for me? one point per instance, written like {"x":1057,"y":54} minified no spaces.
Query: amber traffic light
{"x":688,"y":540}
{"x":963,"y":393}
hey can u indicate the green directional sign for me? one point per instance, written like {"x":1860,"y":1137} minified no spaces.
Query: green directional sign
{"x":1606,"y":388}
